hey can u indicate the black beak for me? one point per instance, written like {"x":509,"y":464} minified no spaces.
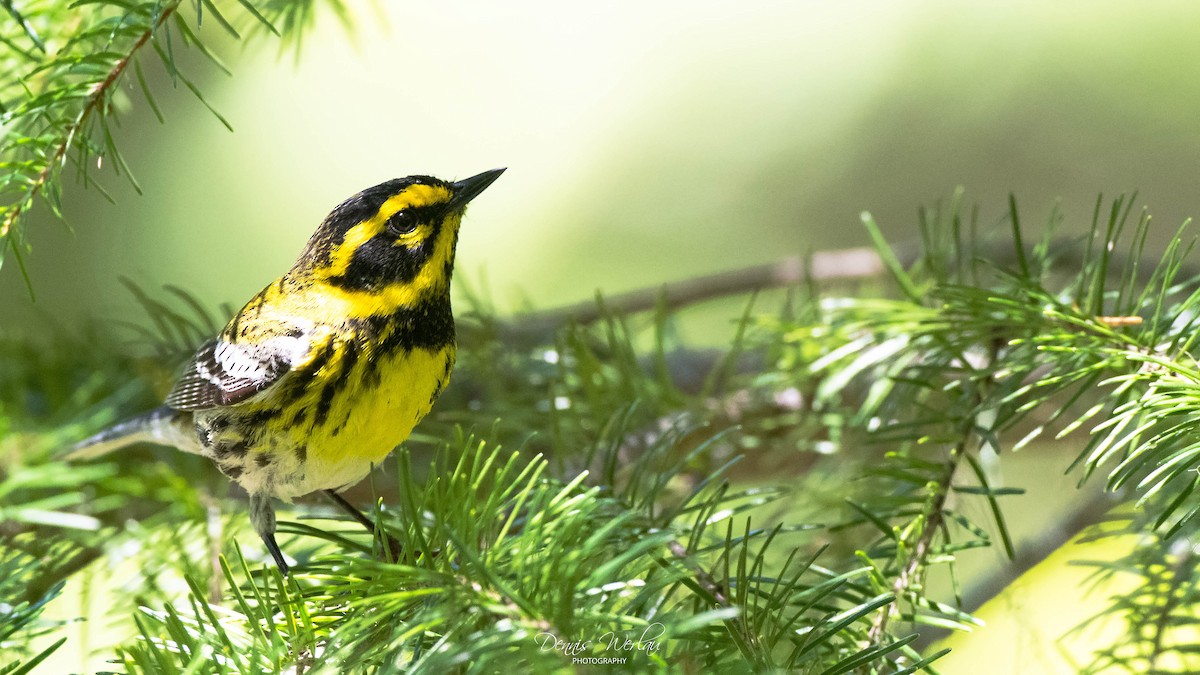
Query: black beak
{"x":469,"y":188}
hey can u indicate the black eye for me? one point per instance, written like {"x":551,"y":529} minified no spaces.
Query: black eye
{"x":402,"y":222}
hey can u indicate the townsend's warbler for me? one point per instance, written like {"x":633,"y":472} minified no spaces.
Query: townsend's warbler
{"x":324,"y":372}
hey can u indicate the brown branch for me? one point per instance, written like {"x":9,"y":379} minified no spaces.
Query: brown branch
{"x":746,"y":639}
{"x":40,"y":586}
{"x":820,"y":267}
{"x":703,"y":578}
{"x":93,"y":103}
{"x":823,"y":266}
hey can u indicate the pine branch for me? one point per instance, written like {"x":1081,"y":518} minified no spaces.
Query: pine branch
{"x":504,"y":547}
{"x":57,"y":108}
{"x":932,"y":520}
{"x":704,"y":579}
{"x":99,"y":97}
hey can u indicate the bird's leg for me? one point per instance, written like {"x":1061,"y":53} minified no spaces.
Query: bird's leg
{"x":393,"y":546}
{"x":262,"y":516}
{"x":350,"y":509}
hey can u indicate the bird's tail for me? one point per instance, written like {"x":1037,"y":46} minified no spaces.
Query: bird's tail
{"x":161,"y":425}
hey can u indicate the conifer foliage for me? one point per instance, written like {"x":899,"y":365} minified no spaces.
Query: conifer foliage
{"x":599,"y":493}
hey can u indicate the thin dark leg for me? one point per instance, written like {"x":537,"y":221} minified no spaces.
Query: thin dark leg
{"x":269,"y":540}
{"x":393,"y":546}
{"x":262,"y":516}
{"x":350,"y":509}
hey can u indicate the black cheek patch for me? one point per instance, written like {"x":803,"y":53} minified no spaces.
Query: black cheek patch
{"x":378,"y":263}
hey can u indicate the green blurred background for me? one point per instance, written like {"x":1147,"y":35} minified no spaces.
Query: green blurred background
{"x":646,"y":142}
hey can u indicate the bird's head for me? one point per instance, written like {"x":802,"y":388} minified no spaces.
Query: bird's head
{"x":397,"y":236}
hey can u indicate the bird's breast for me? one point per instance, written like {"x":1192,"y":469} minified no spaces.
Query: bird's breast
{"x":328,"y":431}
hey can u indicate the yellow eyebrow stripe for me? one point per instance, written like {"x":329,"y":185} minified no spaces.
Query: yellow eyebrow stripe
{"x":413,"y":196}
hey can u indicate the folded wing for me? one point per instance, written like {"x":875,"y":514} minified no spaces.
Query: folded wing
{"x":226,"y":373}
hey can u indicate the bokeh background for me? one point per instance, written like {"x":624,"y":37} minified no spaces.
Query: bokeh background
{"x":646,"y":141}
{"x":649,"y":142}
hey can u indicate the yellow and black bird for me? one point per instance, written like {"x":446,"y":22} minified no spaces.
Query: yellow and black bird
{"x":327,"y":369}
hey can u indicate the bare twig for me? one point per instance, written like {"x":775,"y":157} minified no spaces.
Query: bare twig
{"x":820,"y":267}
{"x":703,"y":578}
{"x":823,"y":266}
{"x":746,"y":639}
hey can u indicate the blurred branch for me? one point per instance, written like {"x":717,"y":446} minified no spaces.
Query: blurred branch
{"x":822,"y":266}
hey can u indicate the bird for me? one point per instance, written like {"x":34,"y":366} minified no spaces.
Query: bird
{"x":329,"y":367}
